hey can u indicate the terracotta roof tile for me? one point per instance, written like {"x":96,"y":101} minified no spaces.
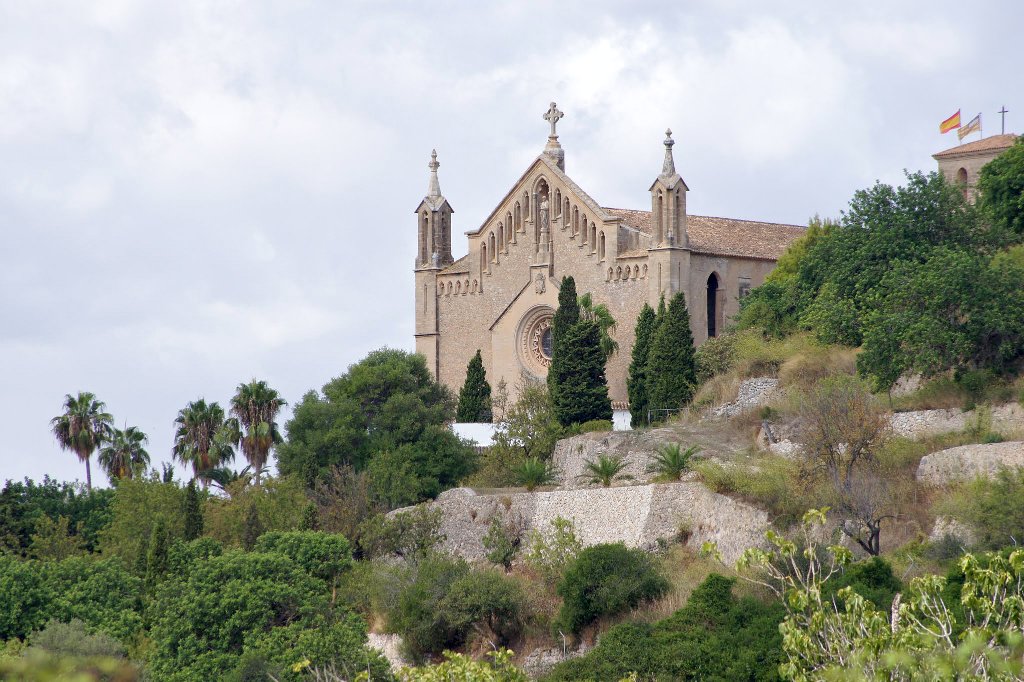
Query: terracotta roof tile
{"x":983,"y":145}
{"x":724,"y":236}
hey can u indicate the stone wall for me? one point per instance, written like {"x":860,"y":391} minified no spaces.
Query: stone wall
{"x":635,"y":515}
{"x":968,"y":462}
{"x":1006,"y":419}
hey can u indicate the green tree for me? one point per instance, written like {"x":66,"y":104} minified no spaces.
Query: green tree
{"x":411,"y":534}
{"x":53,"y":539}
{"x":201,"y":439}
{"x":254,"y":407}
{"x":137,"y":506}
{"x":253,"y":527}
{"x":82,"y":428}
{"x":503,"y":538}
{"x":24,"y":503}
{"x":192,"y":513}
{"x":1001,"y":188}
{"x":582,"y":393}
{"x":636,"y":383}
{"x":599,"y":313}
{"x":551,"y":551}
{"x":566,"y":316}
{"x":157,"y":555}
{"x":475,"y":396}
{"x":534,"y":472}
{"x":386,"y":400}
{"x":671,"y":366}
{"x":124,"y":455}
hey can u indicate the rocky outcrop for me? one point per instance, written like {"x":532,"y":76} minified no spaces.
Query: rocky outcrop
{"x":968,"y":462}
{"x":636,"y":515}
{"x":946,"y":527}
{"x":753,"y":393}
{"x":390,"y":646}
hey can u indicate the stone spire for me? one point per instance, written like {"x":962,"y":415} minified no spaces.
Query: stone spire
{"x":434,"y":190}
{"x":553,"y":148}
{"x":668,"y":168}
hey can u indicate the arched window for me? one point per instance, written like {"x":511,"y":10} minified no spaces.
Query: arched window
{"x":518,"y":218}
{"x":600,"y":246}
{"x":449,"y":293}
{"x":583,"y":222}
{"x":424,"y":240}
{"x":501,"y":236}
{"x":526,"y":202}
{"x":458,"y":287}
{"x":610,"y":273}
{"x":586,"y":231}
{"x":645,"y":272}
{"x":575,"y":219}
{"x":660,"y":217}
{"x":558,"y":201}
{"x":636,"y":271}
{"x":712,"y":305}
{"x":593,"y":236}
{"x":566,"y":216}
{"x":483,"y":259}
{"x":961,"y":176}
{"x":618,"y":272}
{"x":494,"y":251}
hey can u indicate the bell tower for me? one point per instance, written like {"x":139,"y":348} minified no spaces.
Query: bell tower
{"x":669,"y":255}
{"x":433,"y":253}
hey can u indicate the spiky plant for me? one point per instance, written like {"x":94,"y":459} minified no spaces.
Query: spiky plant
{"x":605,"y":470}
{"x":82,"y":427}
{"x":534,"y":473}
{"x":671,"y":461}
{"x":201,"y":437}
{"x":124,"y":455}
{"x":598,"y":312}
{"x":255,"y":407}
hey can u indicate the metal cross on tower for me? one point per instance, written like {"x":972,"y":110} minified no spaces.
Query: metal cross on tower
{"x":1002,"y":113}
{"x":552,"y":116}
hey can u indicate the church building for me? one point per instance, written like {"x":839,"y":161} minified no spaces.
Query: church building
{"x":501,"y":296}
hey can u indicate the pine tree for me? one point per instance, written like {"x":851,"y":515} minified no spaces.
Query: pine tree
{"x":193,"y":513}
{"x":636,"y":383}
{"x":671,"y":368}
{"x":252,"y":528}
{"x":156,"y":558}
{"x":582,"y":388}
{"x":567,"y":315}
{"x":475,"y":396}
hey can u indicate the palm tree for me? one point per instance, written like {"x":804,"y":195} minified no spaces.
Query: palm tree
{"x":606,"y":470}
{"x":606,"y":323}
{"x":82,"y":428}
{"x":255,"y":407}
{"x":670,"y":461}
{"x":535,"y":472}
{"x":201,"y":438}
{"x":124,"y":456}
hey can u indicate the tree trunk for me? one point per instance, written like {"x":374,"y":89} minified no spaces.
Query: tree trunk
{"x":88,"y":475}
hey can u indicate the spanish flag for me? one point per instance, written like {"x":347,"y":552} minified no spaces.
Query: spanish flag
{"x":973,"y":126}
{"x":951,"y":123}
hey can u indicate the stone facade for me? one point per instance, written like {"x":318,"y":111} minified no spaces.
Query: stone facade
{"x":501,"y":296}
{"x":962,"y":164}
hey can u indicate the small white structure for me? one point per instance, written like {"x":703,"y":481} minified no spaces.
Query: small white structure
{"x":479,"y":434}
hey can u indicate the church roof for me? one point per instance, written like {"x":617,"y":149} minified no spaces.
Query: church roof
{"x":986,"y":144}
{"x":724,"y":236}
{"x":458,"y":267}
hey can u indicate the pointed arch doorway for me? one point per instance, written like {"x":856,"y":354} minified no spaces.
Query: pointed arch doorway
{"x":714,"y":312}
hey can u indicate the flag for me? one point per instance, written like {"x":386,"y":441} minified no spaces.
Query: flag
{"x":950,"y":123}
{"x":972,"y":127}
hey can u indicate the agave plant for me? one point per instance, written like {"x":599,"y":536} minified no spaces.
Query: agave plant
{"x":671,"y":461}
{"x":535,"y":472}
{"x":606,"y":470}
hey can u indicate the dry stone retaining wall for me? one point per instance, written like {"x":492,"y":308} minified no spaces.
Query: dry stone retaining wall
{"x":968,"y":462}
{"x":635,"y":515}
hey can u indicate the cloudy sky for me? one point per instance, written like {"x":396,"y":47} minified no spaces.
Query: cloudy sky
{"x":193,"y":194}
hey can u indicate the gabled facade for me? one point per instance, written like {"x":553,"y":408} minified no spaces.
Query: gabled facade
{"x":500,"y":297}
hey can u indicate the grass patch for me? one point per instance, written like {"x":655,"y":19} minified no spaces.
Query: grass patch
{"x":771,"y":483}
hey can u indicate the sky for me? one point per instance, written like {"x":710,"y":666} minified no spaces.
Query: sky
{"x":195,"y":194}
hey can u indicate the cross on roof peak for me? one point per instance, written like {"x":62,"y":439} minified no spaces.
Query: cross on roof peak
{"x":551,"y":116}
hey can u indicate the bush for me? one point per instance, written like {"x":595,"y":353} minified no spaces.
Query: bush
{"x":605,"y":580}
{"x":771,"y":483}
{"x":460,"y":667}
{"x":715,"y":356}
{"x":594,"y":426}
{"x":503,"y":538}
{"x":992,"y":508}
{"x":485,"y":598}
{"x":74,"y":639}
{"x":409,"y":534}
{"x":872,"y":579}
{"x":418,"y":616}
{"x":549,"y":553}
{"x":714,"y":637}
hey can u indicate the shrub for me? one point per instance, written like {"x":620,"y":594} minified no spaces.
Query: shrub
{"x":605,"y":580}
{"x":503,"y":538}
{"x":605,"y":470}
{"x":74,"y":639}
{"x":485,"y":598}
{"x":418,"y":616}
{"x":671,"y":461}
{"x":872,"y":579}
{"x":534,"y":473}
{"x":715,"y":356}
{"x":772,"y":483}
{"x":460,"y":667}
{"x":549,"y":553}
{"x":714,"y":637}
{"x":992,"y":508}
{"x":594,"y":426}
{"x":409,"y":534}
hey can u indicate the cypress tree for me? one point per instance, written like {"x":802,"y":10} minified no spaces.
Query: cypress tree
{"x":475,"y":396}
{"x":671,"y":368}
{"x":310,"y":518}
{"x":156,"y":558}
{"x":646,"y":325}
{"x":567,"y":315}
{"x":192,"y":512}
{"x":252,"y":528}
{"x":582,"y":388}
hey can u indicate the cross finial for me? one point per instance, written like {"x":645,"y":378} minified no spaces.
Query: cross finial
{"x":668,"y":168}
{"x":1003,"y":112}
{"x":552,"y":116}
{"x":434,"y":190}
